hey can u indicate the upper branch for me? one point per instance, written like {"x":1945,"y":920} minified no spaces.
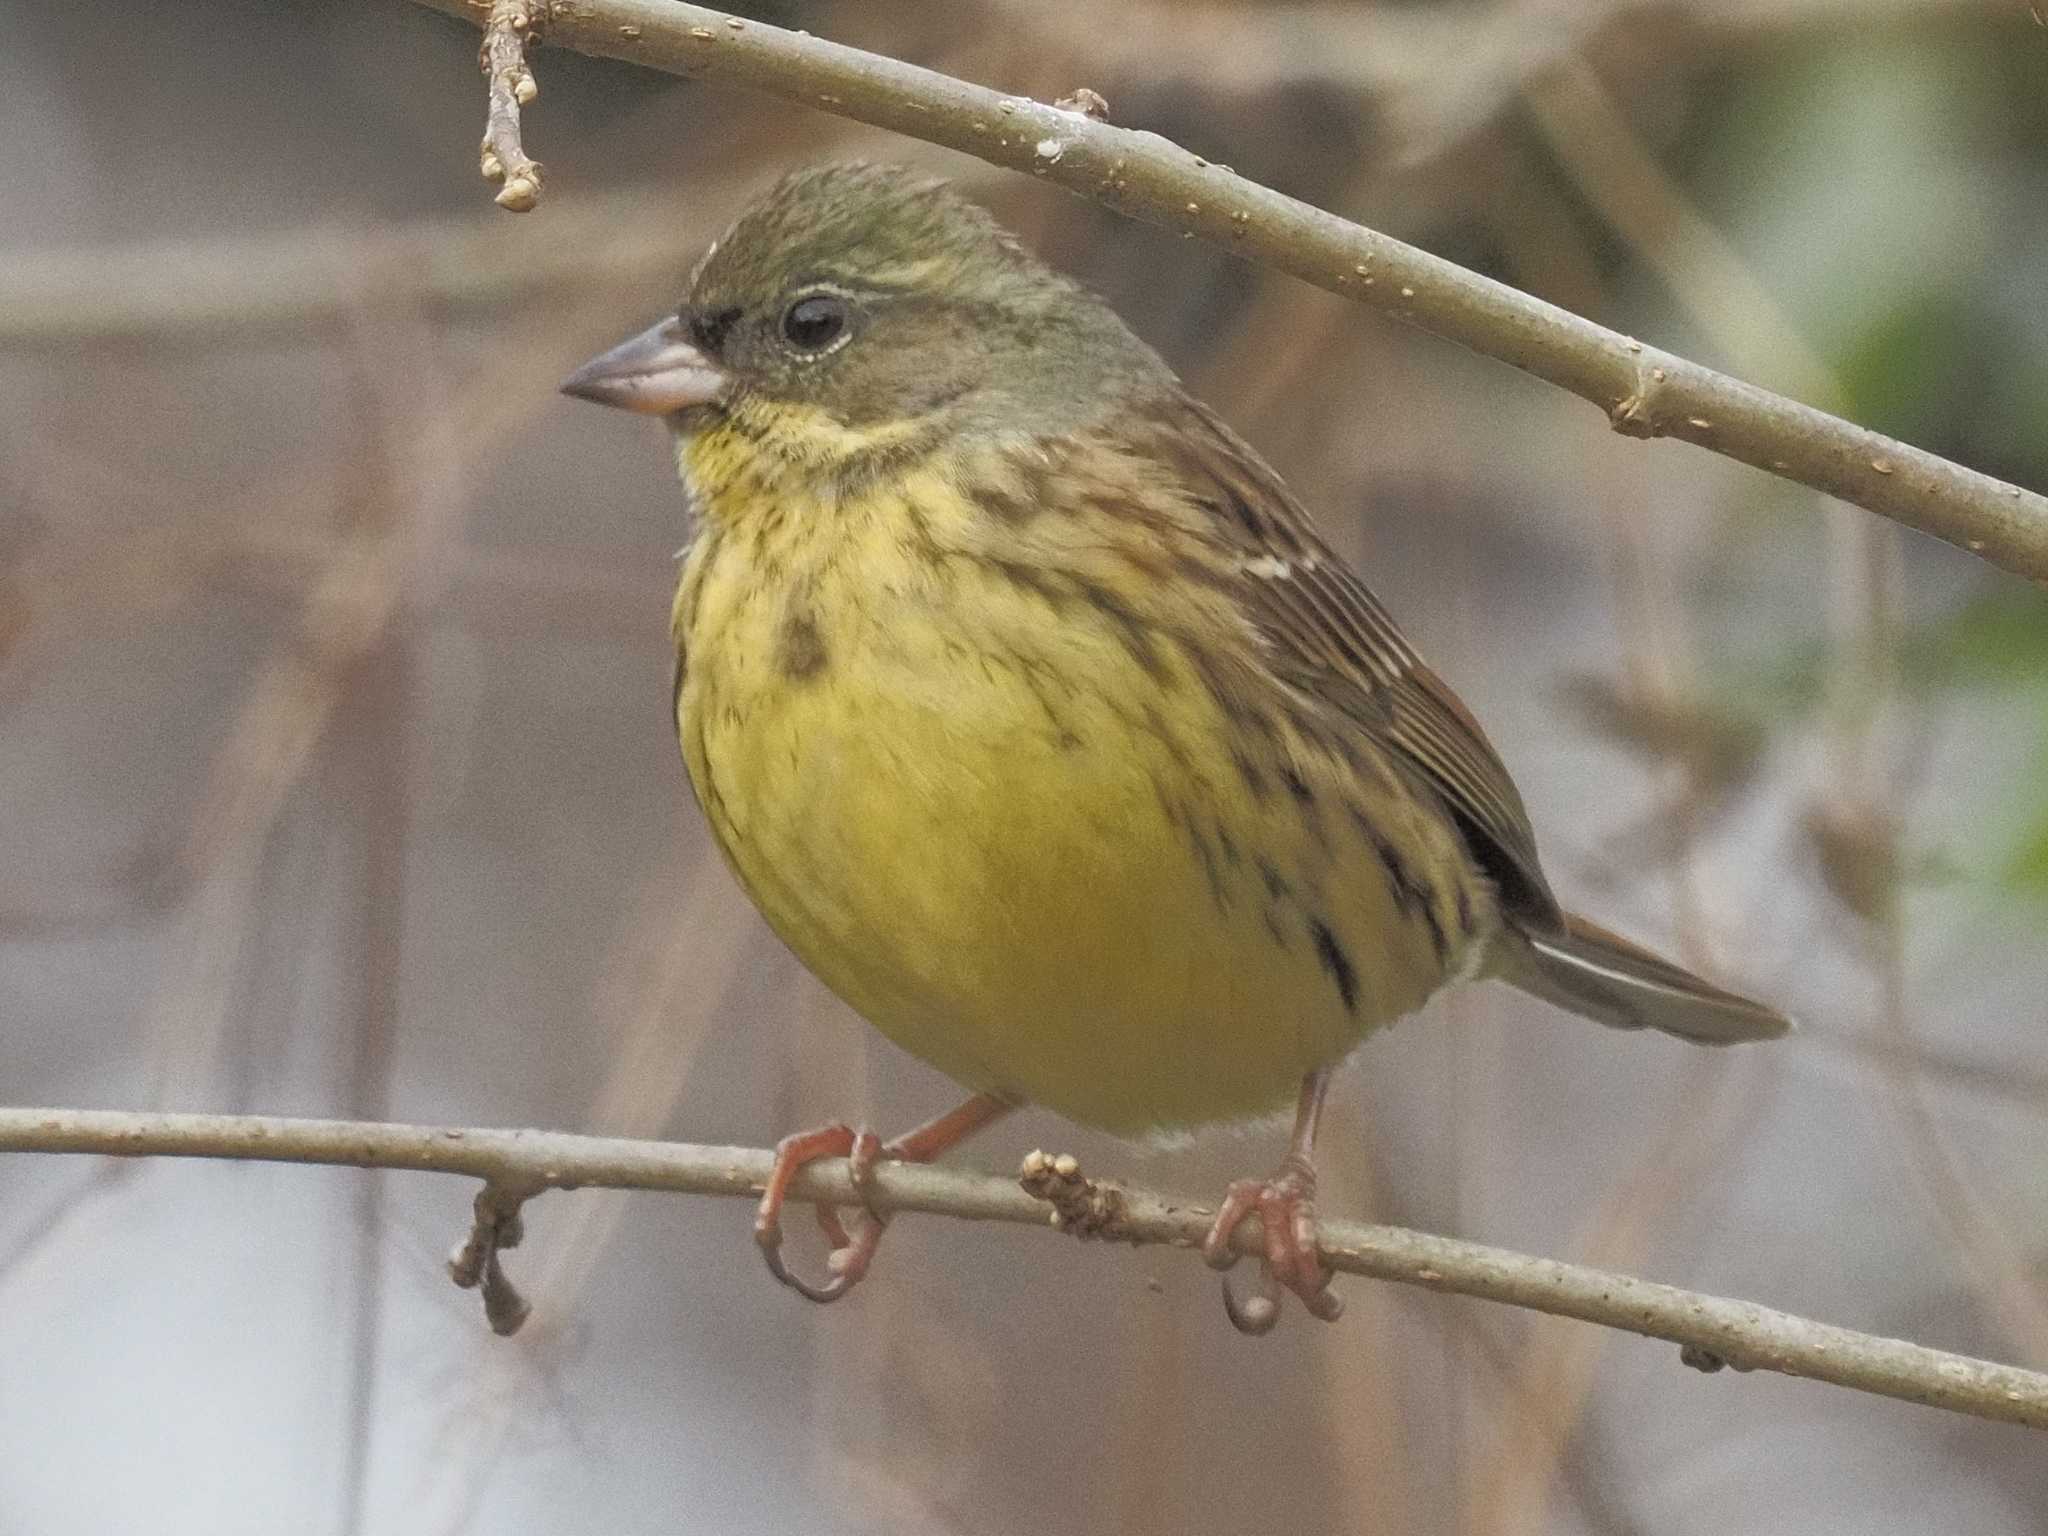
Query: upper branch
{"x":1644,"y":391}
{"x":517,"y":1164}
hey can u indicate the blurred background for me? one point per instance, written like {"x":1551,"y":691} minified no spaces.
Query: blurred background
{"x":336,"y":779}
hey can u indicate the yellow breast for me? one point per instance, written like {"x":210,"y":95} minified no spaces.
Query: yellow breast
{"x":1010,"y":825}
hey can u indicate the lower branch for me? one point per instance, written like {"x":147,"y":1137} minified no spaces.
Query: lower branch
{"x":516,"y":1164}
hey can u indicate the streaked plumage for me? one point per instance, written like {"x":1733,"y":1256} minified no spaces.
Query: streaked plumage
{"x":1031,"y":709}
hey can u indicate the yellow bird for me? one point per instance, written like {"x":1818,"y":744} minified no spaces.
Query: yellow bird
{"x":1036,"y":717}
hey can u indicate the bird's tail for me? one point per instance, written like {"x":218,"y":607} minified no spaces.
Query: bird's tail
{"x":1602,"y":976}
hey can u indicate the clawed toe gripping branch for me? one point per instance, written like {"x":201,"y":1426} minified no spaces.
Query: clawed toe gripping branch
{"x":1051,"y":1193}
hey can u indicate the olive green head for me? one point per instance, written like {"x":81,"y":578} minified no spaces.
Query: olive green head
{"x":877,"y":296}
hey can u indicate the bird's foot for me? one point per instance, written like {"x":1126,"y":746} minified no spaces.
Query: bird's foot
{"x":1285,"y":1207}
{"x":853,"y":1251}
{"x":849,"y":1253}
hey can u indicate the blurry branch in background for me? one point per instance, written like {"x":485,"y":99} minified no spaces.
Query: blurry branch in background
{"x":1857,"y":840}
{"x":405,"y":501}
{"x":277,"y":287}
{"x":1855,"y":830}
{"x":1546,"y":1388}
{"x":398,"y":510}
{"x":1712,"y":1331}
{"x":1430,"y":76}
{"x":1645,"y":392}
{"x":1854,"y":839}
{"x":670,"y":974}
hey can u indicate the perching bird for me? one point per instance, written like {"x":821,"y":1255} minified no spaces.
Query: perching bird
{"x":1034,"y":714}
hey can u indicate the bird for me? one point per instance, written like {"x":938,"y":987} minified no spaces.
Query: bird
{"x":1034,"y":714}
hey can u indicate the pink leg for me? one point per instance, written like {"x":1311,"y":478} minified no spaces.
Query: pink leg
{"x":851,"y":1253}
{"x":1285,"y":1206}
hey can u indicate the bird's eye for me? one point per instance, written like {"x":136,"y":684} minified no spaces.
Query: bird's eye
{"x":813,"y":324}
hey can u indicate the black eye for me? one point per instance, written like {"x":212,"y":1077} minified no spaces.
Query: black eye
{"x":813,"y":324}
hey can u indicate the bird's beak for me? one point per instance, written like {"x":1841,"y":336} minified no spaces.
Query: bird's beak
{"x":658,"y":372}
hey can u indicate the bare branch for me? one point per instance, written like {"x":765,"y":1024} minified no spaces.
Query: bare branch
{"x":519,"y":1163}
{"x":1644,"y":391}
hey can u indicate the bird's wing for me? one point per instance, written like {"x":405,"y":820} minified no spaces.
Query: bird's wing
{"x":1334,"y":640}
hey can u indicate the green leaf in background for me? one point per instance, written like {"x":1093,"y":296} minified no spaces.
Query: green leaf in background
{"x":2027,"y":875}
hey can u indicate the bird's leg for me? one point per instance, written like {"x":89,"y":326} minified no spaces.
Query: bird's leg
{"x":852,"y":1252}
{"x":1285,"y":1206}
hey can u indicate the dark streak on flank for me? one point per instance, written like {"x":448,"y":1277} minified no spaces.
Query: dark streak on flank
{"x":1032,"y":579}
{"x":1168,"y":806}
{"x":1180,"y":817}
{"x":1254,"y":780}
{"x":1208,"y":857}
{"x":1335,"y":961}
{"x":1297,"y":786}
{"x":707,"y":792}
{"x":1161,"y":732}
{"x":920,"y":529}
{"x":1229,"y":846}
{"x":800,"y":650}
{"x":1276,"y":883}
{"x":1233,"y":700}
{"x":1063,"y":735}
{"x":1132,"y":630}
{"x":1413,"y":893}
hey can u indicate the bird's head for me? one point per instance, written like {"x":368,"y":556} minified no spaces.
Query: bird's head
{"x":858,"y":307}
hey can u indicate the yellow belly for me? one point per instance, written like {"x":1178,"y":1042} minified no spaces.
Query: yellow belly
{"x":1022,"y":872}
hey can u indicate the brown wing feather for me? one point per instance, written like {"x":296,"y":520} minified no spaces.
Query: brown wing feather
{"x":1333,"y":638}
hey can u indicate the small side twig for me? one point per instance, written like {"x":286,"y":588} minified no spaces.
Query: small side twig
{"x":513,"y":27}
{"x":1083,"y":1206}
{"x":474,"y":1264}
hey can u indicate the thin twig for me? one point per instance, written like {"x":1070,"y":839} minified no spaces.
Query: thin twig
{"x":667,"y":977}
{"x":511,"y":28}
{"x":1740,"y":1333}
{"x":1645,"y":392}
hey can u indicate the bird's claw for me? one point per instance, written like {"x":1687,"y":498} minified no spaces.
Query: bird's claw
{"x":1285,"y":1206}
{"x":850,"y":1253}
